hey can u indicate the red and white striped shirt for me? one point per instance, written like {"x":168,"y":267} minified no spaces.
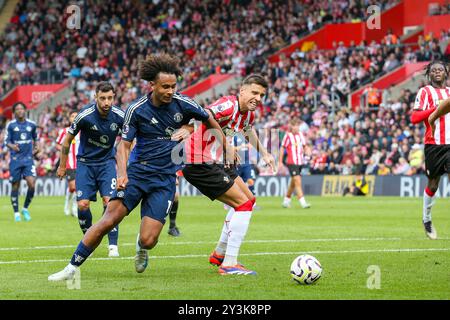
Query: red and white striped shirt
{"x":72,"y":156}
{"x":294,"y":146}
{"x":429,"y":97}
{"x":204,"y":147}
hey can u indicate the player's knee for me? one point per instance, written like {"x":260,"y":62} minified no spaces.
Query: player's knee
{"x":148,"y":241}
{"x":250,"y":182}
{"x":83,"y":205}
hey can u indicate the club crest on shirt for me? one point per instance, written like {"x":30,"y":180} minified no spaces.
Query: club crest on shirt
{"x":178,"y":117}
{"x":113,"y":126}
{"x":28,"y":128}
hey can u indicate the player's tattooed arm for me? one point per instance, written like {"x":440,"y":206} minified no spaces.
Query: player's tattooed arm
{"x":65,"y":150}
{"x":122,"y":155}
{"x":65,"y":147}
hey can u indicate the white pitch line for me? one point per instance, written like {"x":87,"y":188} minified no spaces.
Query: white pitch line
{"x":214,"y":242}
{"x":245,"y":254}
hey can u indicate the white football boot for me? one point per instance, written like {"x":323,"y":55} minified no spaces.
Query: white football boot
{"x":113,"y":251}
{"x":68,"y":273}
{"x":286,"y":202}
{"x":430,"y":231}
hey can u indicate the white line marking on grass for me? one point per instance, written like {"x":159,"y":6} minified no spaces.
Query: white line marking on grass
{"x":245,"y":254}
{"x":214,"y":242}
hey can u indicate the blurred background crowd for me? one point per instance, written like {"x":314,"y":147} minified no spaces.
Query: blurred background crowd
{"x":226,"y":36}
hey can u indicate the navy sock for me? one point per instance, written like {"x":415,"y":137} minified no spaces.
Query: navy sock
{"x":15,"y":200}
{"x":80,"y":255}
{"x":113,"y":235}
{"x":173,"y":214}
{"x":30,"y":195}
{"x":252,"y":189}
{"x":85,"y":219}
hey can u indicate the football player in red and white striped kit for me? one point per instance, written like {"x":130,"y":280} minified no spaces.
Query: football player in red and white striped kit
{"x":70,"y":168}
{"x":206,"y":171}
{"x":437,"y":139}
{"x":294,"y":143}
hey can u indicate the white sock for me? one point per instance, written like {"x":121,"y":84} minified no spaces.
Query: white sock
{"x":66,"y":203}
{"x":286,"y":199}
{"x":223,"y":241}
{"x":428,"y":202}
{"x":71,"y":267}
{"x":74,"y":203}
{"x":302,"y":201}
{"x":237,"y":230}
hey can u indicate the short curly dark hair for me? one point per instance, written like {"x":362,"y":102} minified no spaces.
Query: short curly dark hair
{"x":432,"y":63}
{"x":19,"y":103}
{"x":151,"y":67}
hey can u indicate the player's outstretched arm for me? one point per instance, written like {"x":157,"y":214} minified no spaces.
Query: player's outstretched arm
{"x":444,"y":108}
{"x":122,"y":155}
{"x":256,"y":143}
{"x":65,"y":148}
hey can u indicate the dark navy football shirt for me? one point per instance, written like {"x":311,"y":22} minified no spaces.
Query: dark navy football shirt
{"x":23,"y":134}
{"x":97,"y":134}
{"x":153,"y":126}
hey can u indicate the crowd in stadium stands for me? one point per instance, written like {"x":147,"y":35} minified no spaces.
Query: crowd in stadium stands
{"x":439,"y":9}
{"x":342,"y":142}
{"x":208,"y":36}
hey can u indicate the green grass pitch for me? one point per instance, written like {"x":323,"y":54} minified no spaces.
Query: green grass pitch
{"x":347,"y":236}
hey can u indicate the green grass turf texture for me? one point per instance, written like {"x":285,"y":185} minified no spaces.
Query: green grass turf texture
{"x":347,"y":235}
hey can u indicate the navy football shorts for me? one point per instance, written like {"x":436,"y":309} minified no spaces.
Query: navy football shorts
{"x":20,"y":169}
{"x":90,"y":179}
{"x":155,"y":190}
{"x":246,"y":172}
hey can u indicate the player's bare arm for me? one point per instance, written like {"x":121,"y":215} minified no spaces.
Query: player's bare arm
{"x":65,"y":148}
{"x":122,"y":155}
{"x":13,"y":146}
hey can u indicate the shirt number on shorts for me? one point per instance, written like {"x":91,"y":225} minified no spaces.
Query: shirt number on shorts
{"x":113,"y":183}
